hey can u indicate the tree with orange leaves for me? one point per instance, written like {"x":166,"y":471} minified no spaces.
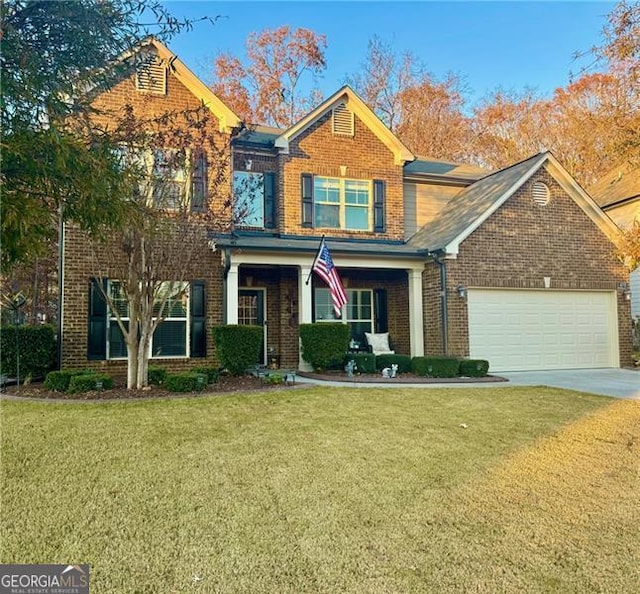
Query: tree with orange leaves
{"x":270,"y":87}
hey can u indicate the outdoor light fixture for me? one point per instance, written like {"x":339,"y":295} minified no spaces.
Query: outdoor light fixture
{"x":462,"y":291}
{"x":248,"y":164}
{"x":625,"y":289}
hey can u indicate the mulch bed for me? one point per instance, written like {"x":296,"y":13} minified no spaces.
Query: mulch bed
{"x":225,"y":385}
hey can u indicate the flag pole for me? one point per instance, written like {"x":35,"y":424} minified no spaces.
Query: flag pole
{"x":315,"y":260}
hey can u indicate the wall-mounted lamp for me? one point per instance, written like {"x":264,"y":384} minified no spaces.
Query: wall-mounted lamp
{"x":462,"y":291}
{"x":248,"y":164}
{"x":625,"y":289}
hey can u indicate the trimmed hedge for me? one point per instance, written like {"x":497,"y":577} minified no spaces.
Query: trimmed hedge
{"x":37,"y":348}
{"x":156,"y":375}
{"x":87,"y":382}
{"x":238,"y":346}
{"x":212,"y":373}
{"x":402,"y":361}
{"x":474,"y":367}
{"x":365,"y":362}
{"x":435,"y":366}
{"x":324,"y":344}
{"x":185,"y":382}
{"x":58,"y":381}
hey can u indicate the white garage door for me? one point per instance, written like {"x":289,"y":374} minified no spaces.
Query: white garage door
{"x":522,"y":330}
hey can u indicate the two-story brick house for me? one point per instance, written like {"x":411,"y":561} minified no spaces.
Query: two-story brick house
{"x":516,"y":266}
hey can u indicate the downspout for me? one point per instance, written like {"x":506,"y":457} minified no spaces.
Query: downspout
{"x":438,"y":258}
{"x":60,"y":287}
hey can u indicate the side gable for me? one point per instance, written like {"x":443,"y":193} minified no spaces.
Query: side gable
{"x":475,"y":204}
{"x":227,"y":118}
{"x":348,"y":97}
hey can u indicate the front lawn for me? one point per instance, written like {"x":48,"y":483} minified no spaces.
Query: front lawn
{"x":329,"y":490}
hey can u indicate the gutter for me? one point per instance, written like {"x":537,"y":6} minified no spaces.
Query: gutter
{"x":439,"y":258}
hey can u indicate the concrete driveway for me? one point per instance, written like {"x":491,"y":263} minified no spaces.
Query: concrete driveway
{"x":619,"y":383}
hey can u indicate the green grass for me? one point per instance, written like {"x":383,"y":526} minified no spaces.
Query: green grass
{"x":329,"y":490}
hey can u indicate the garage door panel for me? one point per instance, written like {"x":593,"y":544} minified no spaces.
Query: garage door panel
{"x":519,"y":330}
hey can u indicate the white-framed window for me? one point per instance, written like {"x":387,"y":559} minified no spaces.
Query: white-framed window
{"x":358,"y":311}
{"x":171,"y":337}
{"x":172,"y":178}
{"x":342,"y":203}
{"x":249,"y":195}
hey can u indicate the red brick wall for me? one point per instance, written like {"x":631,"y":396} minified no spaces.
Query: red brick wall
{"x":320,"y":152}
{"x":519,"y":245}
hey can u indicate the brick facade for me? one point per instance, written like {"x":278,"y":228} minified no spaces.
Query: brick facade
{"x":516,"y":247}
{"x":519,"y":245}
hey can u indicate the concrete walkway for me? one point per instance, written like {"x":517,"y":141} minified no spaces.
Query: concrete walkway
{"x":619,"y":383}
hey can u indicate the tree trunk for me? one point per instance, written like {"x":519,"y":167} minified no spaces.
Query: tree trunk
{"x":132,"y":364}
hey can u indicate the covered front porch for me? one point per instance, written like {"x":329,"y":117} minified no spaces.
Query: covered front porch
{"x":275,"y":288}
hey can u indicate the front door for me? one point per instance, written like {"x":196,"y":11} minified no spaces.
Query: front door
{"x":251,"y":312}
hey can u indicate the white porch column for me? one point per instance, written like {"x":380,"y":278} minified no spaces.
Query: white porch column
{"x":232,"y":295}
{"x":416,"y":316}
{"x":305,"y":313}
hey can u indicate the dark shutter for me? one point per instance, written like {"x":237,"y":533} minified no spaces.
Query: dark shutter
{"x":270,"y":212}
{"x":198,"y":179}
{"x":378,"y":206}
{"x":97,"y":328}
{"x":198,"y":305}
{"x":307,"y":200}
{"x":380,"y":310}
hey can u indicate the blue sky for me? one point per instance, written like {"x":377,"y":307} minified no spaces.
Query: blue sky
{"x":512,"y":45}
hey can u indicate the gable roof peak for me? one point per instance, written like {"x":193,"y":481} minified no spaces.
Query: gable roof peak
{"x":354,"y":102}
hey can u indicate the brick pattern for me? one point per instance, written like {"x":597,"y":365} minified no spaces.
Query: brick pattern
{"x":517,"y":247}
{"x":318,"y":151}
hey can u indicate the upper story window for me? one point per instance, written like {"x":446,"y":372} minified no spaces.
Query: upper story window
{"x":338,"y":203}
{"x":254,"y":199}
{"x":171,"y":179}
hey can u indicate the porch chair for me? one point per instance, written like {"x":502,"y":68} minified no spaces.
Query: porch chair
{"x":379,"y":343}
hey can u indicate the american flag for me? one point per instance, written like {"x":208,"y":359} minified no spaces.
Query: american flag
{"x":327,"y":271}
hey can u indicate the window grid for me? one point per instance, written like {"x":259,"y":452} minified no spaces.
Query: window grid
{"x":342,"y":203}
{"x":166,"y":337}
{"x":248,"y":191}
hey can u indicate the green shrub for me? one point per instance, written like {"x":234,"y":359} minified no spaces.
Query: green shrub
{"x":274,"y":378}
{"x":156,"y":375}
{"x":402,"y":361}
{"x":212,"y":373}
{"x":365,"y":362}
{"x":474,"y":367}
{"x":87,"y":382}
{"x":185,"y":382}
{"x":435,"y":366}
{"x":324,"y":344}
{"x":58,"y":381}
{"x":36,"y":346}
{"x":238,"y":347}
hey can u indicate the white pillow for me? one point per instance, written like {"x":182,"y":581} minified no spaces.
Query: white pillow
{"x":379,"y":342}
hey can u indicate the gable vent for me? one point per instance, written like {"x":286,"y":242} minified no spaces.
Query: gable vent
{"x":540,"y":193}
{"x":342,"y":121}
{"x":151,"y":76}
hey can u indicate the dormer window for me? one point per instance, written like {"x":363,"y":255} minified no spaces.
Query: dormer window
{"x":342,"y":121}
{"x":151,"y":76}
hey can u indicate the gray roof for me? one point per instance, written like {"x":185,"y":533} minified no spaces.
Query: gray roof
{"x":426,"y":166}
{"x":259,"y":136}
{"x":620,"y":184}
{"x":261,"y":243}
{"x":466,"y":207}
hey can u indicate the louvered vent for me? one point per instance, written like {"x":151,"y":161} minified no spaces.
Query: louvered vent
{"x":151,"y":76}
{"x":540,"y":193}
{"x":342,"y":120}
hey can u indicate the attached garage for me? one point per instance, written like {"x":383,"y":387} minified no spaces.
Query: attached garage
{"x":519,"y":330}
